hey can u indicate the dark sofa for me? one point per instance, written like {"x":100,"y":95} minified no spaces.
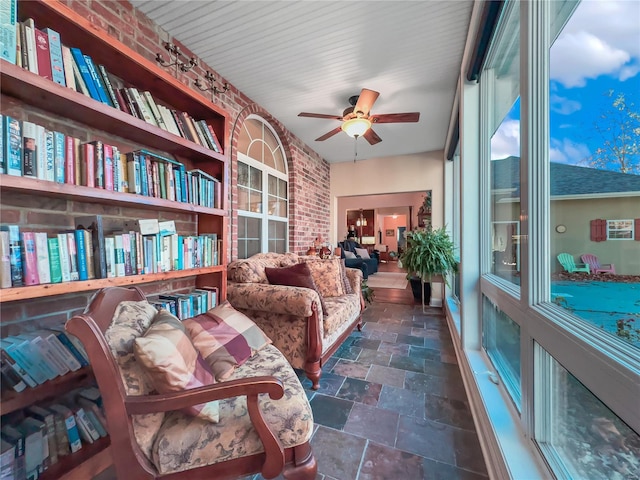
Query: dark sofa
{"x":371,"y":264}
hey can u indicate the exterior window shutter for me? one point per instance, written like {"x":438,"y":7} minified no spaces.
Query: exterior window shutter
{"x":636,"y":229}
{"x":599,"y":230}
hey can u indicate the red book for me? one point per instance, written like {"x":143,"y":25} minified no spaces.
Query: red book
{"x":215,"y":137}
{"x":30,"y":259}
{"x":87,"y":152}
{"x":124,"y":105}
{"x":108,"y":166}
{"x":70,"y":161}
{"x":43,"y":54}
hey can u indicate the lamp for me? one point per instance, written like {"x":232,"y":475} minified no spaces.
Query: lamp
{"x":355,"y":127}
{"x":361,"y":222}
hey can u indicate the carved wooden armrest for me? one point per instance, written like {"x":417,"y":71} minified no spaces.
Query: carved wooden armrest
{"x":251,"y":387}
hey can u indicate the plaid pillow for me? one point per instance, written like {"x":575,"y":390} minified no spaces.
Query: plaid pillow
{"x":173,"y":363}
{"x":226,"y":338}
{"x":345,"y":280}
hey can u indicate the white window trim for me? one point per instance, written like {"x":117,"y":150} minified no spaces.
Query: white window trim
{"x":631,"y":229}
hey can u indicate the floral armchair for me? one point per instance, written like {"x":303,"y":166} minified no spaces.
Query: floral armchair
{"x":293,"y":316}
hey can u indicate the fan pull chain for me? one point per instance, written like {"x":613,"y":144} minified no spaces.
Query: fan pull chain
{"x":355,"y":148}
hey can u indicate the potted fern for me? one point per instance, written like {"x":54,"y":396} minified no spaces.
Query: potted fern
{"x":429,"y":252}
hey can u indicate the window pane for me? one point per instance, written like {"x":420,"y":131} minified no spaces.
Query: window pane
{"x":501,"y":340}
{"x":273,"y":185}
{"x":577,"y":432}
{"x":243,"y":199}
{"x":277,"y":236}
{"x":243,"y":174}
{"x":503,"y":78}
{"x":255,"y":179}
{"x":256,"y":202}
{"x":595,"y":166}
{"x":282,"y":189}
{"x":248,"y":236}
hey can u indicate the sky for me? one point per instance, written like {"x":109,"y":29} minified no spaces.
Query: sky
{"x":598,"y":50}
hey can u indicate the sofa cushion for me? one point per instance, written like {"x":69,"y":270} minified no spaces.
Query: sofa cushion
{"x":348,"y":254}
{"x":173,"y":363}
{"x":185,"y":442}
{"x":362,"y":252}
{"x":130,"y":320}
{"x":327,"y":276}
{"x":226,"y":338}
{"x":298,"y":275}
{"x":251,"y":270}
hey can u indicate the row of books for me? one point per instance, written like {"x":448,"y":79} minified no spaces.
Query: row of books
{"x":143,"y":246}
{"x":187,"y":305}
{"x":34,"y":440}
{"x":42,"y":52}
{"x":30,"y":150}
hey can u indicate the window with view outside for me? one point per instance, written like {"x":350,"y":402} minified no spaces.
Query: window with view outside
{"x":595,"y":164}
{"x":262,"y":191}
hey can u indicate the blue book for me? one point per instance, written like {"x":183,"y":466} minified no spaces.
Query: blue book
{"x":12,"y":153}
{"x":8,"y":33}
{"x":59,"y":156}
{"x":62,"y":336}
{"x":144,"y":181}
{"x":79,"y":59}
{"x":97,"y":80}
{"x":55,"y":52}
{"x":21,"y":352}
{"x":81,"y":251}
{"x":70,"y":422}
{"x":15,"y":254}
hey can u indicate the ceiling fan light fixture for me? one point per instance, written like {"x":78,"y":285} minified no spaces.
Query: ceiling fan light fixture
{"x":356,"y":127}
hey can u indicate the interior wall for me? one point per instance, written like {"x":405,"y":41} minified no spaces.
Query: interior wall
{"x":391,"y":223}
{"x":379,"y":182}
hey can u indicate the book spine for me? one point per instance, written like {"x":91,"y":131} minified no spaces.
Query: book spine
{"x":54,"y":260}
{"x":22,"y":373}
{"x":215,"y":137}
{"x":126,"y":248}
{"x":124,"y":104}
{"x":42,"y":255}
{"x":63,"y":252}
{"x":109,"y":169}
{"x":55,"y":53}
{"x":29,"y":348}
{"x":13,"y":145}
{"x":110,"y":255}
{"x":85,"y":74}
{"x":11,"y":378}
{"x":30,"y":42}
{"x":63,"y":353}
{"x":69,"y":161}
{"x":88,"y":164}
{"x":30,"y":259}
{"x":98,"y":163}
{"x":8,"y":21}
{"x":108,"y":87}
{"x":48,"y":354}
{"x":59,"y":159}
{"x":91,"y":272}
{"x":43,"y":54}
{"x":207,"y":133}
{"x":41,"y":155}
{"x":81,"y":249}
{"x":141,"y":104}
{"x":131,"y":104}
{"x":73,"y":257}
{"x":29,"y":158}
{"x":67,"y":61}
{"x":49,"y":160}
{"x":119,"y":249}
{"x":18,"y":351}
{"x":97,"y":81}
{"x":5,"y":260}
{"x":154,"y":109}
{"x":64,"y":340}
{"x":15,"y":256}
{"x":62,"y":441}
{"x":87,"y":424}
{"x":133,"y":170}
{"x":72,"y":433}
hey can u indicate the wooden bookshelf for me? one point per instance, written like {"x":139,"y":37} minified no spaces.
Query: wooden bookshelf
{"x":87,"y":462}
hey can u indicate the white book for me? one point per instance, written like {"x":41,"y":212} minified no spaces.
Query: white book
{"x":38,"y":353}
{"x":49,"y":156}
{"x":119,"y":247}
{"x":61,"y":351}
{"x":5,"y":262}
{"x":64,"y":257}
{"x":154,"y":110}
{"x":30,"y":34}
{"x":169,"y":121}
{"x":73,"y":256}
{"x":142,"y":105}
{"x":110,"y":253}
{"x":42,"y":253}
{"x":67,"y":61}
{"x":82,"y":430}
{"x":41,"y":153}
{"x":87,"y":424}
{"x":49,"y":353}
{"x":29,"y":142}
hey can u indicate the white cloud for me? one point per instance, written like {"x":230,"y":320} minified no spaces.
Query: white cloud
{"x":506,"y":141}
{"x":567,"y":151}
{"x":601,"y":37}
{"x":563,"y":105}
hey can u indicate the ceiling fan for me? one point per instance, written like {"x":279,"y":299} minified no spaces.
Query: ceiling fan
{"x":357,"y":119}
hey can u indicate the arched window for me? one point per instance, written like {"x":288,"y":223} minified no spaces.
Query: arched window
{"x":262,"y":190}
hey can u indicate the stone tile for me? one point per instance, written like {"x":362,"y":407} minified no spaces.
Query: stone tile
{"x":423,"y":437}
{"x":394,"y":348}
{"x":366,"y":343}
{"x":371,"y":357}
{"x":329,"y":364}
{"x":385,"y":463}
{"x":330,"y":411}
{"x":402,"y":401}
{"x":383,"y":430}
{"x":374,"y":326}
{"x":351,"y":369}
{"x":347,"y":352}
{"x":468,"y":452}
{"x":439,"y":471}
{"x":386,"y":375}
{"x":410,"y":340}
{"x":449,"y":358}
{"x":428,"y":333}
{"x":434,"y":343}
{"x":360,"y":391}
{"x":452,"y":412}
{"x":433,"y":367}
{"x":338,"y":453}
{"x":399,"y":329}
{"x":407,"y":363}
{"x":384,"y":336}
{"x":330,"y":383}
{"x":427,"y":353}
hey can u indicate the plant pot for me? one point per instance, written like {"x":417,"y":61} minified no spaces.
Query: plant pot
{"x":415,"y":283}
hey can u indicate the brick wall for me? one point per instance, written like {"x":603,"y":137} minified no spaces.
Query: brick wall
{"x":308,"y":172}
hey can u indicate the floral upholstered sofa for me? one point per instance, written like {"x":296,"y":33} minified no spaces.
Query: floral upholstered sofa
{"x":306,"y":325}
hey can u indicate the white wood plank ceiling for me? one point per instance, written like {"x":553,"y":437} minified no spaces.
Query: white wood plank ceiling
{"x":311,"y":56}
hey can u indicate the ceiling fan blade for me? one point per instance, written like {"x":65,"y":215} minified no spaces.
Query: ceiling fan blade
{"x":408,"y":117}
{"x":365,"y":101}
{"x":329,"y":134}
{"x":372,"y":137}
{"x":319,"y":115}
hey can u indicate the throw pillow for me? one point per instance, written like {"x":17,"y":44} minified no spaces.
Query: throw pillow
{"x":226,"y":338}
{"x":348,"y":254}
{"x":327,"y":276}
{"x":345,"y":280}
{"x":362,"y":252}
{"x":297,"y":275}
{"x":173,"y":363}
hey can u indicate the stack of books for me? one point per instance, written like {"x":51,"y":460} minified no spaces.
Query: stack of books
{"x":187,"y":305}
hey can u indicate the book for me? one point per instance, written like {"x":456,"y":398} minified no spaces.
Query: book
{"x":96,"y":415}
{"x":73,"y":435}
{"x":5,"y":260}
{"x":85,"y":74}
{"x":67,"y":61}
{"x":215,"y":137}
{"x":40,"y":153}
{"x":29,"y":158}
{"x":83,"y":420}
{"x":134,"y":173}
{"x":70,"y":161}
{"x":65,"y":340}
{"x":141,"y":105}
{"x":48,"y":418}
{"x":19,"y":36}
{"x":42,"y":256}
{"x":15,"y":254}
{"x":63,"y":253}
{"x":60,"y":350}
{"x":73,"y":257}
{"x":81,"y":255}
{"x":97,"y":81}
{"x":7,"y":460}
{"x":8,"y":21}
{"x":19,"y":351}
{"x":62,"y":440}
{"x":28,"y":28}
{"x":29,"y":259}
{"x":98,"y":163}
{"x":106,"y":81}
{"x":49,"y":156}
{"x":9,"y":360}
{"x":55,"y":56}
{"x":207,"y":133}
{"x":110,"y":255}
{"x":109,"y":167}
{"x":81,"y":85}
{"x":59,"y":159}
{"x":94,"y":225}
{"x":16,"y":438}
{"x":154,"y":109}
{"x":168,"y":119}
{"x":43,"y":54}
{"x":36,"y":446}
{"x":12,"y":129}
{"x":10,"y":378}
{"x":55,"y":270}
{"x":119,"y":252}
{"x":88,"y":164}
{"x":48,"y":360}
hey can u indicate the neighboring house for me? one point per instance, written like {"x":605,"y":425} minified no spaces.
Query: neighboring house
{"x":592,"y":211}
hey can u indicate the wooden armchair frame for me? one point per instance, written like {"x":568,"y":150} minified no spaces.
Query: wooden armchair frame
{"x":296,"y":463}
